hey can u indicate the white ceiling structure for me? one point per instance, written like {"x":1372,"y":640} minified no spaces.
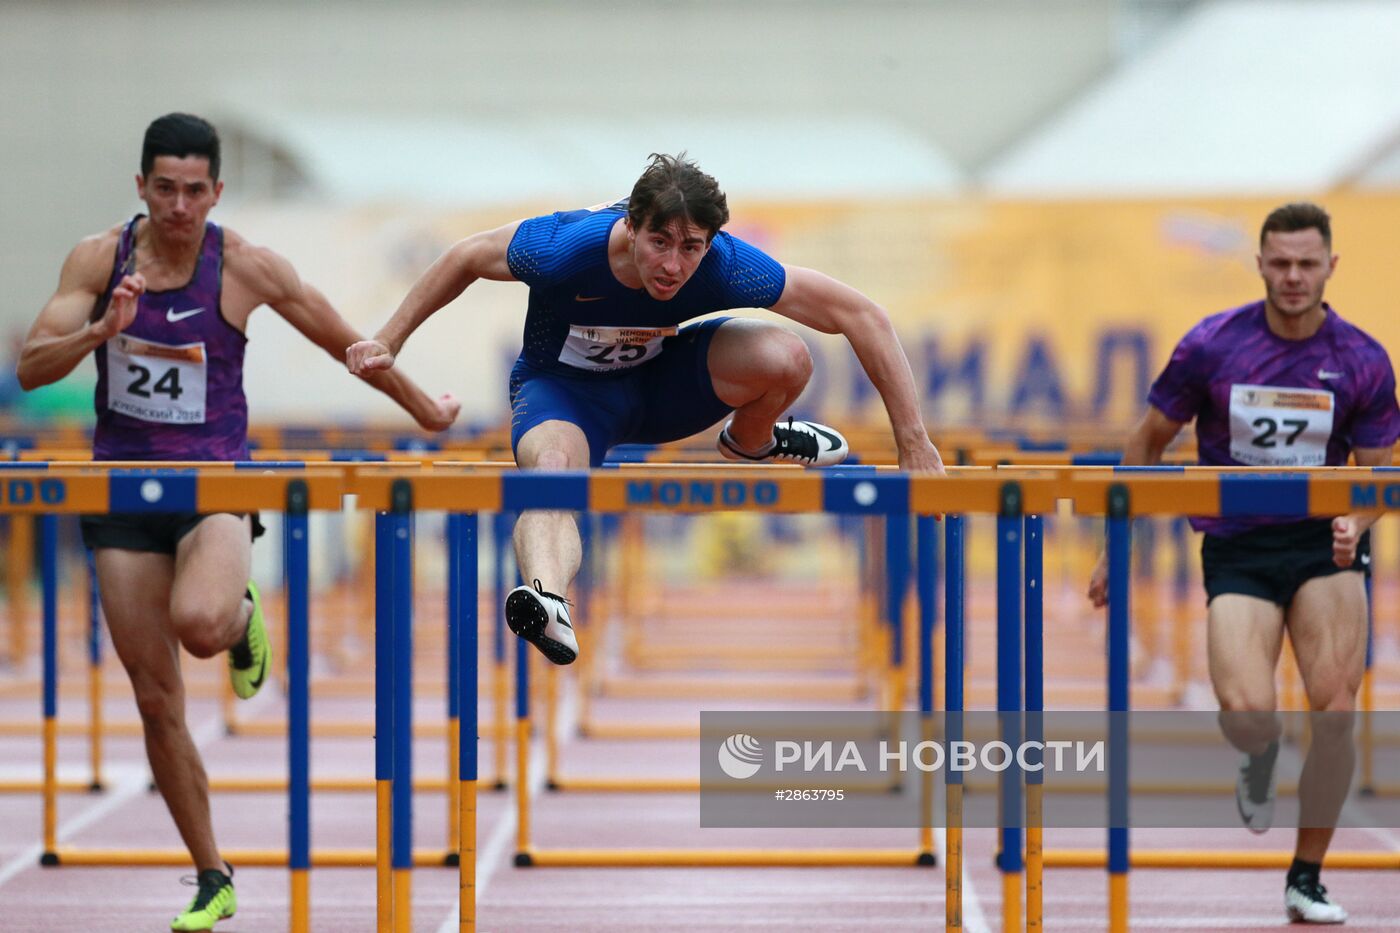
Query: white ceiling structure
{"x":1238,"y":97}
{"x":510,"y":159}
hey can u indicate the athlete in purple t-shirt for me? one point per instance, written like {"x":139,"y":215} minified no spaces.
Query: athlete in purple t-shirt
{"x":605,"y":360}
{"x":1284,"y":382}
{"x":164,"y":301}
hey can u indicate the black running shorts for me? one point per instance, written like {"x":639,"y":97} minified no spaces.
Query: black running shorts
{"x":157,"y":532}
{"x":1273,"y":561}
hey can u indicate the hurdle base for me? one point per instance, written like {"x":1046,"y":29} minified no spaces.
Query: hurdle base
{"x":37,"y":787}
{"x":1244,"y":858}
{"x":722,"y":858}
{"x":49,"y":860}
{"x":927,"y":860}
{"x":253,"y":858}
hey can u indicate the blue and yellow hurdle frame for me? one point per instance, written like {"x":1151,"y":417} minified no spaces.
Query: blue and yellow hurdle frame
{"x":396,"y":492}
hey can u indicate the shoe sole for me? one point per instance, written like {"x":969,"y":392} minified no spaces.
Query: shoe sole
{"x":528,"y":619}
{"x":1296,"y":916}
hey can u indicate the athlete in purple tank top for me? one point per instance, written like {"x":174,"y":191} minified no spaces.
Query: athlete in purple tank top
{"x":164,"y":301}
{"x":170,"y":386}
{"x":1281,"y":383}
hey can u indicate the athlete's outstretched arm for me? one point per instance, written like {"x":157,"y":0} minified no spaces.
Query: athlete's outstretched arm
{"x":832,"y":307}
{"x":480,"y":256}
{"x":273,"y":278}
{"x":1144,"y":447}
{"x":1348,"y":529}
{"x":63,"y":333}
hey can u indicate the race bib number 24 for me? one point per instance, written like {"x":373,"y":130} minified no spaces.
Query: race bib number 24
{"x":156,"y":382}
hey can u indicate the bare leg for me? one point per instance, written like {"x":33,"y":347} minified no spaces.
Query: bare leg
{"x":759,"y":369}
{"x":1245,"y":635}
{"x":547,"y":546}
{"x":208,"y":607}
{"x":1327,"y":622}
{"x":135,"y":597}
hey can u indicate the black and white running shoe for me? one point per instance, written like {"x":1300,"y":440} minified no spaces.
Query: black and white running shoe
{"x":804,"y":442}
{"x":542,"y":619}
{"x":1306,"y":901}
{"x":1254,"y":789}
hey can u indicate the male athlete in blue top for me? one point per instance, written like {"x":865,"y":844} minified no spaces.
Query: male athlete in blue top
{"x":605,"y":360}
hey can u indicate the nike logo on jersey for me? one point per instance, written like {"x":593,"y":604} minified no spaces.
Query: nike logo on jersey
{"x":172,"y":315}
{"x":595,"y":298}
{"x":1325,"y":375}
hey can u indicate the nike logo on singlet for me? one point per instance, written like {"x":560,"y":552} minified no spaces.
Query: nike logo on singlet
{"x":172,"y":315}
{"x":595,"y":298}
{"x":1326,"y":376}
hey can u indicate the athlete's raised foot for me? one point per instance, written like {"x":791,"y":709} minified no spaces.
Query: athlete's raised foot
{"x":804,"y":442}
{"x":542,"y":619}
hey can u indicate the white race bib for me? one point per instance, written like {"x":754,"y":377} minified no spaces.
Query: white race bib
{"x":1272,"y":426}
{"x":156,"y":381}
{"x":606,"y":348}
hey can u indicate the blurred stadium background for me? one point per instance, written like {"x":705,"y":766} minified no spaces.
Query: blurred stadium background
{"x":1044,"y":193}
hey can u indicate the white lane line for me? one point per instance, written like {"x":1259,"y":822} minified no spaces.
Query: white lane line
{"x":974,"y":921}
{"x":134,"y":781}
{"x":490,"y":858}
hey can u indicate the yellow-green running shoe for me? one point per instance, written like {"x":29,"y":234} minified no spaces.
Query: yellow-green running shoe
{"x":213,"y":902}
{"x":249,"y":660}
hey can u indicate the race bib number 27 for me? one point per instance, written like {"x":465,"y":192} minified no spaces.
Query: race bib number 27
{"x":1272,"y":426}
{"x":156,"y":382}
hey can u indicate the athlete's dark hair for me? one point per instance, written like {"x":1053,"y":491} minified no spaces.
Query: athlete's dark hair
{"x":674,"y":188}
{"x":1301,"y":215}
{"x":180,"y":135}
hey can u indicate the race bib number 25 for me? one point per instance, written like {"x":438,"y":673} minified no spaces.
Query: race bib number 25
{"x":606,"y":348}
{"x":155,"y":381}
{"x":1272,"y":426}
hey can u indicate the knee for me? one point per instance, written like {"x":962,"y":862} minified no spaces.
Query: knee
{"x":1238,"y":699}
{"x":199,"y":629}
{"x":552,"y":459}
{"x":1336,"y":701}
{"x":786,"y":358}
{"x":159,"y":707}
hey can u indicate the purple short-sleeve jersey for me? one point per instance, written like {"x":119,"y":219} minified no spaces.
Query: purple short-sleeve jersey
{"x":1261,"y":400}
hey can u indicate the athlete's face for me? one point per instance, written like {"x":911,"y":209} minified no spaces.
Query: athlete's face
{"x":179,"y":194}
{"x":667,"y":258}
{"x":1295,"y":267}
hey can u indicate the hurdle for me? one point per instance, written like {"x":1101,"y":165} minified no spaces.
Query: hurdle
{"x":268,"y":460}
{"x":892,"y":599}
{"x":1122,"y":493}
{"x":470,"y":491}
{"x":158,"y":488}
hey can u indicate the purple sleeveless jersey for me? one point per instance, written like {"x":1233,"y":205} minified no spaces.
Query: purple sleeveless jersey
{"x":1261,"y":400}
{"x":170,"y":386}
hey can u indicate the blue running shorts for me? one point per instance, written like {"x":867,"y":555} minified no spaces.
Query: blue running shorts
{"x":666,"y":399}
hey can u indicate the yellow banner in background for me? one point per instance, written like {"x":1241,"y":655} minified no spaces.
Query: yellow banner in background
{"x":1029,"y":312}
{"x":1032,"y":314}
